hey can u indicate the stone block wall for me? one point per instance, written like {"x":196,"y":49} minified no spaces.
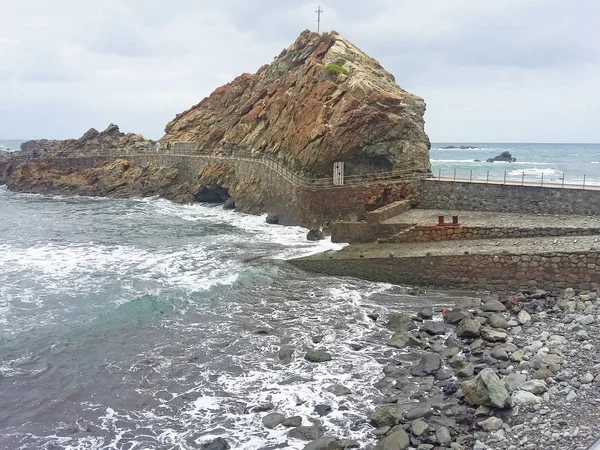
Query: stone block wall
{"x":506,"y":198}
{"x":511,"y":272}
{"x":422,"y":233}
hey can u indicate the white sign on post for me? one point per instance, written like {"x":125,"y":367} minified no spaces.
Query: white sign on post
{"x":338,"y":173}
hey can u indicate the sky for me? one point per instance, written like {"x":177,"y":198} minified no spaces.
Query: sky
{"x":489,"y":70}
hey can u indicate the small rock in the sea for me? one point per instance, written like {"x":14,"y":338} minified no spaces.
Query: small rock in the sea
{"x":317,"y":356}
{"x":292,"y":422}
{"x":401,"y":339}
{"x":217,"y":444}
{"x":273,"y":420}
{"x":339,"y":390}
{"x":322,"y":409}
{"x":324,"y":443}
{"x":433,"y":328}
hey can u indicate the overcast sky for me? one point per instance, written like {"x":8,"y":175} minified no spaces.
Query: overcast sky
{"x":489,"y":70}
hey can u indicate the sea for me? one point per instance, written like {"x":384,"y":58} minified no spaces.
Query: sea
{"x":143,"y":324}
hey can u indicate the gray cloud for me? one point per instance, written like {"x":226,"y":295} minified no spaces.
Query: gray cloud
{"x":138,"y":63}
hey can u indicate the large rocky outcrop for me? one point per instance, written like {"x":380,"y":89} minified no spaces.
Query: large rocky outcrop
{"x":94,"y":142}
{"x":119,"y":178}
{"x":321,"y":100}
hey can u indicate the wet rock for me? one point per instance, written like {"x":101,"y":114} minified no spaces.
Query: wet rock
{"x":418,"y":412}
{"x":217,"y":444}
{"x":433,"y":328}
{"x":286,"y":354}
{"x":428,"y":365}
{"x":373,"y":316}
{"x":229,"y":203}
{"x":306,"y":433}
{"x":322,"y":409}
{"x":491,"y":335}
{"x":339,"y":390}
{"x":317,"y":339}
{"x":401,"y":339}
{"x":292,"y":422}
{"x":264,"y":407}
{"x":468,"y":328}
{"x":397,"y":440}
{"x":384,"y":416}
{"x":493,"y":306}
{"x":425,"y":313}
{"x":324,"y":443}
{"x":486,"y":389}
{"x":455,"y":316}
{"x":502,"y":157}
{"x":272,"y":420}
{"x":272,"y":218}
{"x":400,"y":322}
{"x":315,"y":234}
{"x":317,"y":356}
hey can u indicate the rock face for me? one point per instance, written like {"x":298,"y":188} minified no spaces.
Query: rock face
{"x":117,"y":179}
{"x":321,"y":100}
{"x":111,"y":140}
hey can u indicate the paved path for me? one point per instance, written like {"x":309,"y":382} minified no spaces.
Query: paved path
{"x":459,"y":247}
{"x":429,"y":217}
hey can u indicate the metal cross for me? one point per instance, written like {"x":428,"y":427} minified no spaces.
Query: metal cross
{"x":319,"y":11}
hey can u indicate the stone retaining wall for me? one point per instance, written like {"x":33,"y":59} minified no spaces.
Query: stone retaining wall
{"x":462,"y":196}
{"x":422,"y":233}
{"x":472,"y":271}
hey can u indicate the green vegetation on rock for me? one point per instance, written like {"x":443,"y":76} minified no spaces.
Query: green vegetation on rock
{"x":335,"y":68}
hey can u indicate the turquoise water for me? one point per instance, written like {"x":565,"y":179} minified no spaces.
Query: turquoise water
{"x":141,"y":324}
{"x":552,"y":161}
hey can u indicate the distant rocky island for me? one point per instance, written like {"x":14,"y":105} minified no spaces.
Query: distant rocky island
{"x":502,"y":157}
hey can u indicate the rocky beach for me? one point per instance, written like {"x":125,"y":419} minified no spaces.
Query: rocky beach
{"x":500,"y":373}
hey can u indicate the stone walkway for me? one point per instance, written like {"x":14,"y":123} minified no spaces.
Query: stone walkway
{"x":495,"y":219}
{"x":445,"y":248}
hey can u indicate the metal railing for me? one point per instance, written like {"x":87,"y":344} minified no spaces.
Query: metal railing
{"x":518,"y":178}
{"x":191,"y":150}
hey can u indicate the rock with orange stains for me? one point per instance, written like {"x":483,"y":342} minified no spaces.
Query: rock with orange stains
{"x":309,"y":117}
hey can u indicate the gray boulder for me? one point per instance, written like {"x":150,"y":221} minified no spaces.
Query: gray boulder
{"x":272,"y":420}
{"x":317,"y":356}
{"x":325,"y":443}
{"x":493,"y":306}
{"x":468,"y":328}
{"x":306,"y":433}
{"x":397,"y":440}
{"x":384,"y":416}
{"x":434,"y":328}
{"x":400,"y":322}
{"x":315,"y":234}
{"x":429,"y":364}
{"x":401,"y":339}
{"x":217,"y":444}
{"x":486,"y":389}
